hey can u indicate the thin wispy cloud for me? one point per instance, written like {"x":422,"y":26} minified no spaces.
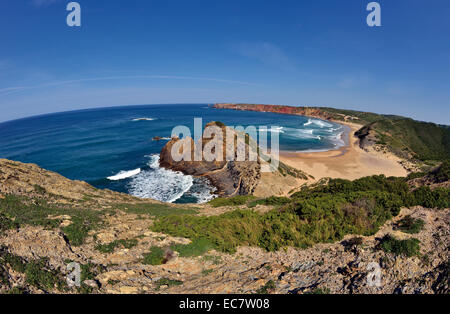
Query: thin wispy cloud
{"x":267,"y":53}
{"x":15,"y":89}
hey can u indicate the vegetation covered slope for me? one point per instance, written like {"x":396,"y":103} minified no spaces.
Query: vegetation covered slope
{"x":405,"y":137}
{"x":321,"y":214}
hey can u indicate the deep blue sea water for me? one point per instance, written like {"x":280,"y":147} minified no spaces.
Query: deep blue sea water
{"x":113,"y":147}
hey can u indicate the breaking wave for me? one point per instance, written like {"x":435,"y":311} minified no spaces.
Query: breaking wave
{"x":124,"y":174}
{"x":319,"y":123}
{"x":143,"y":119}
{"x":159,"y":183}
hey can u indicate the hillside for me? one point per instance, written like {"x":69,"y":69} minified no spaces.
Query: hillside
{"x":320,"y":240}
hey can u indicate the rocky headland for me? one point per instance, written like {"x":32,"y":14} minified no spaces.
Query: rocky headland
{"x":229,"y":174}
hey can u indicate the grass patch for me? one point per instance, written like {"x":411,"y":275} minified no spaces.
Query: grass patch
{"x":411,"y":225}
{"x":319,"y":291}
{"x":271,"y":201}
{"x":409,"y":247}
{"x":36,"y":212}
{"x":198,"y":247}
{"x":7,"y":224}
{"x":155,"y":257}
{"x":206,"y":272}
{"x":267,"y":288}
{"x":38,"y":273}
{"x":231,"y":201}
{"x":167,"y":282}
{"x":111,"y":247}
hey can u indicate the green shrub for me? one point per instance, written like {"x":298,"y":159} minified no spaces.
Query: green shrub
{"x":424,"y":196}
{"x":167,"y":282}
{"x":267,"y":288}
{"x":409,"y":247}
{"x":111,"y":247}
{"x":198,"y":247}
{"x":156,"y":256}
{"x":271,"y":201}
{"x":322,"y":219}
{"x":231,"y":201}
{"x":411,"y":225}
{"x":38,"y":274}
{"x":442,"y":173}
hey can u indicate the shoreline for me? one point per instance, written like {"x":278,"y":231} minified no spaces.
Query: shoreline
{"x":349,"y":161}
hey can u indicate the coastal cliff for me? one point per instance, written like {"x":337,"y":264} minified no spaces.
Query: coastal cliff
{"x":301,"y":111}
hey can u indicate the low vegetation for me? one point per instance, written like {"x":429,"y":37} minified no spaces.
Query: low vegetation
{"x":156,"y":256}
{"x":198,"y":247}
{"x":167,"y":283}
{"x":325,"y":213}
{"x":111,"y":247}
{"x":38,"y":273}
{"x":267,"y":288}
{"x":421,"y":140}
{"x":411,"y":225}
{"x":231,"y":201}
{"x":409,"y":247}
{"x":155,"y":210}
{"x":17,"y":211}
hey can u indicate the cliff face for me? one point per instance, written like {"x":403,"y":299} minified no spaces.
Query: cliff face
{"x":301,"y":111}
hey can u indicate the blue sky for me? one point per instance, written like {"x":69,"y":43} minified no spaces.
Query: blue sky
{"x":315,"y":52}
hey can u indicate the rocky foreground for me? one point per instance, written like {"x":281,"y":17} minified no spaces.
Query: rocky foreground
{"x":48,"y":221}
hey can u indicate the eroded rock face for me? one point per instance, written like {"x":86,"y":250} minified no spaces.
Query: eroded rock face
{"x":229,"y":176}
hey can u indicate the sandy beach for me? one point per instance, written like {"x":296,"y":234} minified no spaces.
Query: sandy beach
{"x":348,"y":162}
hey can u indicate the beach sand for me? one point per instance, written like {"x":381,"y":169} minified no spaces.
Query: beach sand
{"x":348,"y":162}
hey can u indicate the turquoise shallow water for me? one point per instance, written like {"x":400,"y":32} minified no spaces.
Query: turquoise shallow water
{"x":113,"y":147}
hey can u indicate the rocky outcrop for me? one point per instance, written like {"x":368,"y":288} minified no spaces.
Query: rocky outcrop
{"x":366,"y":135}
{"x":229,"y":177}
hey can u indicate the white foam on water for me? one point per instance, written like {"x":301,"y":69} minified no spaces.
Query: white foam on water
{"x":202,"y":190}
{"x":319,"y":123}
{"x":143,"y":119}
{"x":301,"y":133}
{"x":159,"y":183}
{"x":337,"y":139}
{"x":124,"y":174}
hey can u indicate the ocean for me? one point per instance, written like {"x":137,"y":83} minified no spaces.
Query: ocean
{"x":113,"y":148}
